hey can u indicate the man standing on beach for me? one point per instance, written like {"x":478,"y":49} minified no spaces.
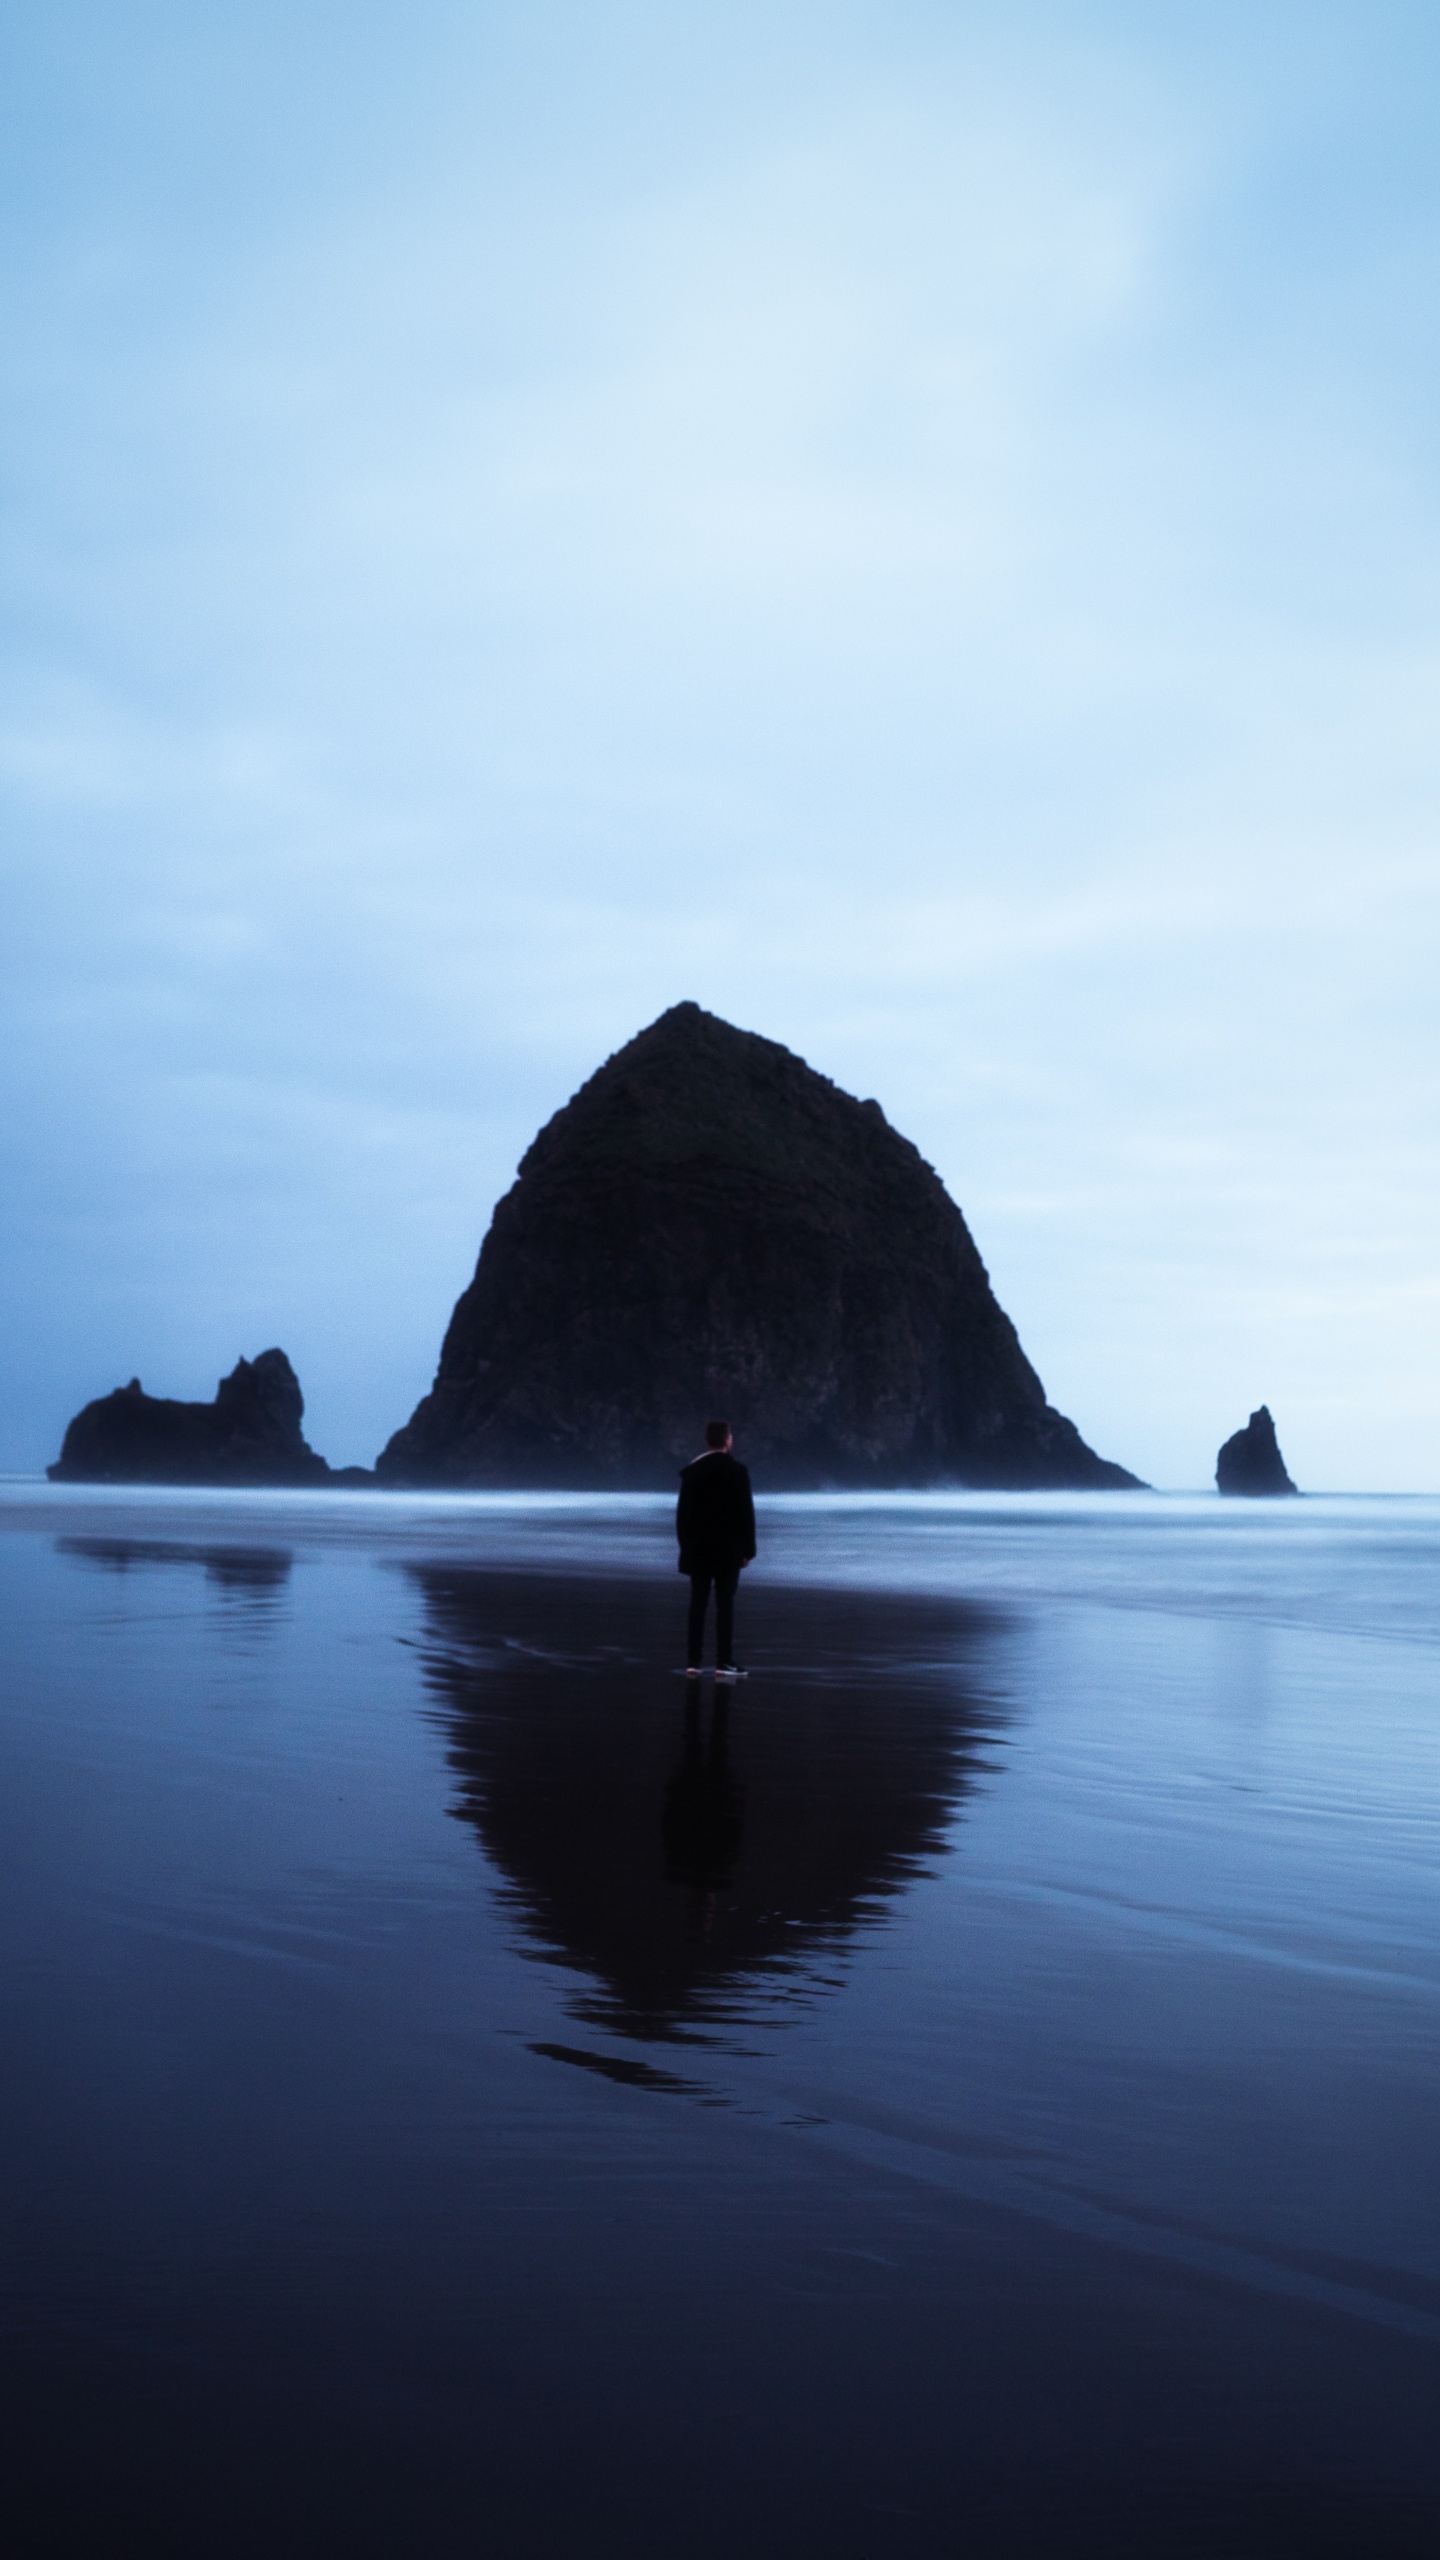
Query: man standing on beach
{"x":715,"y":1524}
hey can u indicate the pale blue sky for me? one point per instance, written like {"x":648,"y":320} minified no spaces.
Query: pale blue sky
{"x":917,"y":527}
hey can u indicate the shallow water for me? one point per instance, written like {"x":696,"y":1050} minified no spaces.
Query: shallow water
{"x":977,"y":2091}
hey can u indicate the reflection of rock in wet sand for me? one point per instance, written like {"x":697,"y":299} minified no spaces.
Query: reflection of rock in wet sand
{"x":700,"y":1859}
{"x":243,"y":1572}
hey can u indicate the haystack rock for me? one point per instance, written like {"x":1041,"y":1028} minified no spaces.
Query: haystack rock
{"x":711,"y":1227}
{"x":1250,"y":1461}
{"x":250,"y":1434}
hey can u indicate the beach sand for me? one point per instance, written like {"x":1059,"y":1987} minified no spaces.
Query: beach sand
{"x":971,"y":2090}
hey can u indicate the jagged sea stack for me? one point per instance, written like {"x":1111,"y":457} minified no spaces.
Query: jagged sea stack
{"x":250,"y":1434}
{"x":711,"y":1227}
{"x":1250,"y":1461}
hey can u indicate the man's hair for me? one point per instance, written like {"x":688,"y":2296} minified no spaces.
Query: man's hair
{"x":716,"y":1434}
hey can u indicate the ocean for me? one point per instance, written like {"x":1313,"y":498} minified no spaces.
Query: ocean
{"x":973,"y":2089}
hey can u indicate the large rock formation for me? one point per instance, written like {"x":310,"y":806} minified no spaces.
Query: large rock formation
{"x":1250,"y":1461}
{"x":711,"y":1227}
{"x":250,"y":1434}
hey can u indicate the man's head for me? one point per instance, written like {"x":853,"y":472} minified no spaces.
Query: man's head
{"x":717,"y":1435}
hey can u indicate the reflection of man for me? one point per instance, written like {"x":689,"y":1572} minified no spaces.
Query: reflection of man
{"x":704,"y":1813}
{"x":715,"y":1524}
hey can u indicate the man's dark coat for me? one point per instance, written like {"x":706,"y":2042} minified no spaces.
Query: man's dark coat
{"x":715,"y":1516}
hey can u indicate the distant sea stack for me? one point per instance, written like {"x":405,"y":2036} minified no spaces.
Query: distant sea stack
{"x":250,"y":1435}
{"x":711,"y":1227}
{"x":1250,"y":1461}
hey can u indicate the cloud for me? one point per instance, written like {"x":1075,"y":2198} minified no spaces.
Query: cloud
{"x":921,"y":532}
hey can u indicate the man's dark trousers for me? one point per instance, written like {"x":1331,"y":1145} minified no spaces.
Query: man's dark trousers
{"x":725,"y":1578}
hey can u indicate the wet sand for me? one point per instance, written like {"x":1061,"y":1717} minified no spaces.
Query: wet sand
{"x":971,"y":2090}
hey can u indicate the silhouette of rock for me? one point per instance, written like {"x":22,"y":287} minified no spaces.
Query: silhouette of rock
{"x":248,"y":1573}
{"x":711,"y":1227}
{"x":702,"y":1870}
{"x":250,"y":1434}
{"x":1250,"y":1461}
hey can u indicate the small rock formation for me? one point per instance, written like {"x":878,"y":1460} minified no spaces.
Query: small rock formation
{"x":249,"y":1435}
{"x":1250,"y":1461}
{"x":711,"y":1227}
